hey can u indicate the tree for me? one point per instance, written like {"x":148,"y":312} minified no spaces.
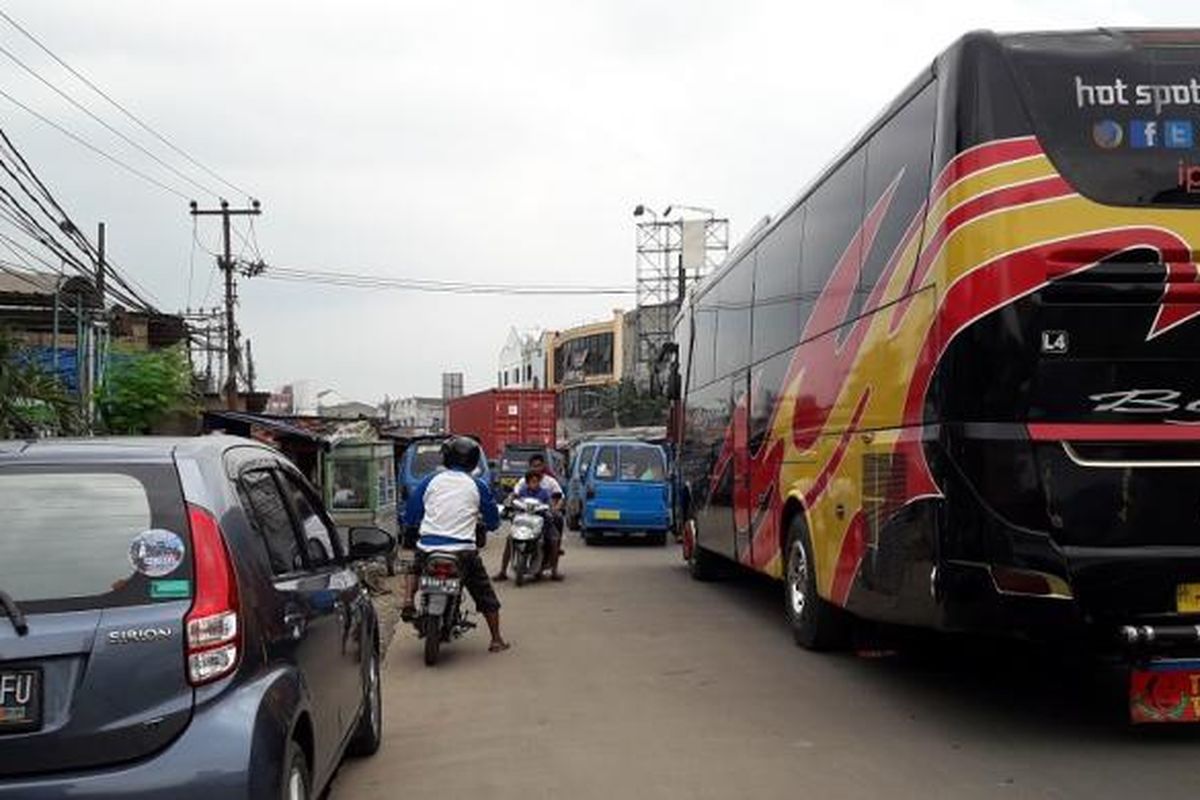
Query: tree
{"x":141,"y":389}
{"x":32,"y":401}
{"x":629,"y":406}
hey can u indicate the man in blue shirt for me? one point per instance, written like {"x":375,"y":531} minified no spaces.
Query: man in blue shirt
{"x":446,"y":507}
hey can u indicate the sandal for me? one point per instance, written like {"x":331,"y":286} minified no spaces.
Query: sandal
{"x":556,"y":577}
{"x":498,"y":647}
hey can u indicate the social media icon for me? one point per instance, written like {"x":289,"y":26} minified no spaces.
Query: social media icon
{"x":1144,"y":133}
{"x":1108,"y":134}
{"x":1178,"y":134}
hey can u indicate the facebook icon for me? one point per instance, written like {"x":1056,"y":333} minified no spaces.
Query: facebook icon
{"x":1178,"y":134}
{"x":1144,"y":133}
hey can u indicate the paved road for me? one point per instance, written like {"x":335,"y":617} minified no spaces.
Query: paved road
{"x":631,"y":680}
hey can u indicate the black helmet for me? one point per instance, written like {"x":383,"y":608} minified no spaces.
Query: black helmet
{"x":459,"y":452}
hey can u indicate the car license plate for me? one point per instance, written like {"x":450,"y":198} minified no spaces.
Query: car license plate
{"x":610,"y":514}
{"x":1187,"y":598}
{"x":20,"y":700}
{"x":1165,"y":691}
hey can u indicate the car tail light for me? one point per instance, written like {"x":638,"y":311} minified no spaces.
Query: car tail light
{"x":213,"y":625}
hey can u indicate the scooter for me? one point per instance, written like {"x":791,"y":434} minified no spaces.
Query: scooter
{"x":530,"y":517}
{"x":440,"y":614}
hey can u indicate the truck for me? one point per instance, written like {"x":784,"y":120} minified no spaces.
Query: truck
{"x":500,"y":417}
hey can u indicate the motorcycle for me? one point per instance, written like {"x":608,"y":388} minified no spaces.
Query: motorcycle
{"x":529,"y":517}
{"x":440,"y":614}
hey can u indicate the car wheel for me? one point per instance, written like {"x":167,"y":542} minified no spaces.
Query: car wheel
{"x":368,"y":735}
{"x":658,"y":539}
{"x":297,"y":779}
{"x":816,"y":623}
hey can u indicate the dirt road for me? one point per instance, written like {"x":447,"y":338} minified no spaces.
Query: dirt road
{"x":631,"y":680}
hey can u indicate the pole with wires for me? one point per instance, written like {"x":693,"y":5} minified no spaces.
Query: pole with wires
{"x":226,"y":263}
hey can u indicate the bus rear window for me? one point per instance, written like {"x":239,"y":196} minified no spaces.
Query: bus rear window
{"x":93,"y":538}
{"x":1120,"y":122}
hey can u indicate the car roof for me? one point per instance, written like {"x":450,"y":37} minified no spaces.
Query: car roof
{"x":138,"y":448}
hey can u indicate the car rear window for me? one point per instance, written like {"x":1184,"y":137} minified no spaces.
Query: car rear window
{"x":642,"y":464}
{"x":518,"y":460}
{"x":94,"y":537}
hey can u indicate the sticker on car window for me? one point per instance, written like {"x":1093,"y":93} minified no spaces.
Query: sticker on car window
{"x":156,"y":553}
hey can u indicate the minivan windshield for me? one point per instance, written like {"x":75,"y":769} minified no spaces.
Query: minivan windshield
{"x":517,"y":459}
{"x":91,"y":538}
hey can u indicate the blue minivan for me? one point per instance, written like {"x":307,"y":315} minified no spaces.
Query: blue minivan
{"x":626,"y":490}
{"x":422,"y":456}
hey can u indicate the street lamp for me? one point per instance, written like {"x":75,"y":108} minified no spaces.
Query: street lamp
{"x":708,"y":212}
{"x":641,"y":209}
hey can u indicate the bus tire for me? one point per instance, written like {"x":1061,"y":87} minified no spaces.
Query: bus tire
{"x":703,"y":565}
{"x":816,"y":623}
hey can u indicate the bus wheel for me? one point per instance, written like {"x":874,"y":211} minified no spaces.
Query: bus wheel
{"x":702,"y":564}
{"x":816,"y":623}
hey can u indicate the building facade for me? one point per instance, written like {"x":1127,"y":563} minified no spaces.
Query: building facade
{"x":418,"y":415}
{"x":586,"y":363}
{"x":523,"y":360}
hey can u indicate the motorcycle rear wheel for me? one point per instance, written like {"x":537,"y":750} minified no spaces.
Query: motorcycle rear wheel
{"x":432,"y":627}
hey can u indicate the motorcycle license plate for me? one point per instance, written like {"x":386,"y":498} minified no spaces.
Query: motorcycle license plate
{"x":1187,"y":598}
{"x":440,"y":584}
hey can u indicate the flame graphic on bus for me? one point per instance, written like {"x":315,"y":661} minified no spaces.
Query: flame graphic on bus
{"x":856,"y":386}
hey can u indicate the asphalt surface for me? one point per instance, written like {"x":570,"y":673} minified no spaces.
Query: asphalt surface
{"x":631,"y":680}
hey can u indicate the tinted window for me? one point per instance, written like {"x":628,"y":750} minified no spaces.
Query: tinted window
{"x":269,"y":514}
{"x":704,"y":340}
{"x":766,"y":392}
{"x":734,"y":297}
{"x":584,"y":357}
{"x":832,"y":216}
{"x":901,"y":151}
{"x":606,"y":463}
{"x":778,"y":306}
{"x":1119,"y":121}
{"x":642,"y":464}
{"x":426,"y":457}
{"x":70,"y":536}
{"x":318,"y":539}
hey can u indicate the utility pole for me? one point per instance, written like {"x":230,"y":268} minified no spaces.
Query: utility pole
{"x":226,"y":264}
{"x":100,"y":264}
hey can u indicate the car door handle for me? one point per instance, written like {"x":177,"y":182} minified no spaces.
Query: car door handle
{"x":295,"y":622}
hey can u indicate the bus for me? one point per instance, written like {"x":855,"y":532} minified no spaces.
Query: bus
{"x":956,"y":383}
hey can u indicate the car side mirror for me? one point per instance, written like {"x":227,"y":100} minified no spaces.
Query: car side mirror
{"x":370,"y":543}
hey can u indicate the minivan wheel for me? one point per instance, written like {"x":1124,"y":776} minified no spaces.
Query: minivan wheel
{"x":297,"y":780}
{"x":368,"y":735}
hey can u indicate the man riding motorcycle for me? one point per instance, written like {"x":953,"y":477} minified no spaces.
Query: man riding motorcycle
{"x":553,"y":532}
{"x":447,"y":506}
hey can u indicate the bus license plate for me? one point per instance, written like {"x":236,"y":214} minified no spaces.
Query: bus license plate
{"x":1187,"y":598}
{"x":20,"y":700}
{"x":610,"y":514}
{"x":1165,"y":692}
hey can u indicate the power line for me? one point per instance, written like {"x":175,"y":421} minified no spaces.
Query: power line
{"x":126,"y":112}
{"x":101,"y":121}
{"x":84,"y":142}
{"x":359,"y":281}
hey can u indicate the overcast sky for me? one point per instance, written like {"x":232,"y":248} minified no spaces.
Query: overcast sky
{"x":470,"y":140}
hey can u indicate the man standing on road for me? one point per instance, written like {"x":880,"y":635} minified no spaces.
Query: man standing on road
{"x":447,"y":506}
{"x":537,"y":463}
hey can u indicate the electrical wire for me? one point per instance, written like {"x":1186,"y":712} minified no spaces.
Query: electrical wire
{"x":85,"y":143}
{"x":125,"y":111}
{"x":101,"y":121}
{"x":360,"y":281}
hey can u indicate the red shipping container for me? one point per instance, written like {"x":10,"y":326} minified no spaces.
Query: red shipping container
{"x":500,"y":417}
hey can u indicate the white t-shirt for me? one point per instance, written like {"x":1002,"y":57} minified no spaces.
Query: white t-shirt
{"x":548,"y":483}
